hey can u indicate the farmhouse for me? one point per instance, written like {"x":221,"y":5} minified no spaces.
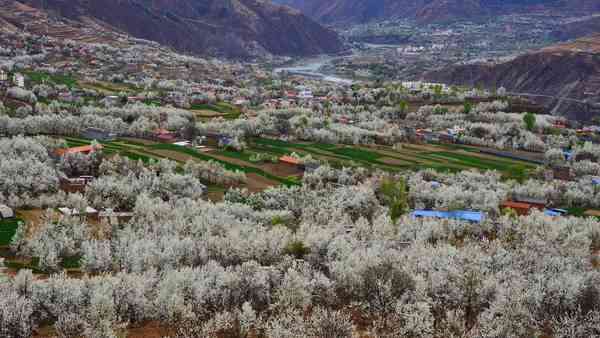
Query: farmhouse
{"x":521,"y":208}
{"x":19,"y":80}
{"x":6,"y":212}
{"x":289,"y":160}
{"x":82,"y":150}
{"x":537,"y":203}
{"x":164,"y":135}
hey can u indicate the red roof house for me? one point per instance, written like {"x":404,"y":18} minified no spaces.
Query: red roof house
{"x":164,"y":135}
{"x":520,"y":207}
{"x":289,"y":160}
{"x":82,"y":149}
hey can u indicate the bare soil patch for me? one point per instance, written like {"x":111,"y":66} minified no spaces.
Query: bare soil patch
{"x":257,"y":183}
{"x":150,"y":330}
{"x":282,"y":169}
{"x":236,"y":161}
{"x":33,"y":219}
{"x":139,"y":140}
{"x":172,"y":154}
{"x":592,"y":212}
{"x":215,"y":196}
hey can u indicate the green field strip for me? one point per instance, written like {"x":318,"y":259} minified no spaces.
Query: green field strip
{"x":227,"y":165}
{"x":8,"y":228}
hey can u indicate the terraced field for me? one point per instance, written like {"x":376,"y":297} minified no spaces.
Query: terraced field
{"x":221,"y":109}
{"x":408,"y":157}
{"x":262,"y":174}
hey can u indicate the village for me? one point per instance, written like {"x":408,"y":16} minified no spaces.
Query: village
{"x":136,"y":163}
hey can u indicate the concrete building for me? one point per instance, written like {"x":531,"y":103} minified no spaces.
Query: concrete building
{"x":19,"y":80}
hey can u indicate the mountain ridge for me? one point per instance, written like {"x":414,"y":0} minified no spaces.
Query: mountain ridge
{"x":361,"y":11}
{"x":230,"y":28}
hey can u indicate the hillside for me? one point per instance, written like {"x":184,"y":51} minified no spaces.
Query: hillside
{"x":232,"y":28}
{"x":576,"y":29}
{"x":359,"y":11}
{"x":570,"y":71}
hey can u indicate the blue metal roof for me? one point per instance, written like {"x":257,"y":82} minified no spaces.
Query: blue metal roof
{"x":554,"y":212}
{"x":469,"y":216}
{"x":596,"y":181}
{"x":568,"y":154}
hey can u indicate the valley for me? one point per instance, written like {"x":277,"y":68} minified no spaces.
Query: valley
{"x":341,"y":169}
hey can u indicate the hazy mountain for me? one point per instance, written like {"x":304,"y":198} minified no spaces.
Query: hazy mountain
{"x":570,"y":71}
{"x":216,"y":27}
{"x":353,"y":11}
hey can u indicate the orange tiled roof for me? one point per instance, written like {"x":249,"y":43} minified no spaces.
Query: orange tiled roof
{"x":81,"y":149}
{"x":516,"y":205}
{"x":289,"y":159}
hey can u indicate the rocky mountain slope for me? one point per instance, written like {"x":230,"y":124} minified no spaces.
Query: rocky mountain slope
{"x":576,"y":29}
{"x":358,"y":11}
{"x":564,"y":77}
{"x":232,"y":28}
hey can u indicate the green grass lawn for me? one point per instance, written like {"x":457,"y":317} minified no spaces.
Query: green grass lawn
{"x":17,"y":265}
{"x":71,"y":262}
{"x":478,"y":162}
{"x":357,"y":154}
{"x":40,"y":77}
{"x":8,"y":228}
{"x":229,"y":111}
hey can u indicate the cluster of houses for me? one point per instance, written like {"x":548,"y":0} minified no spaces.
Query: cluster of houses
{"x":520,"y":205}
{"x":523,"y":205}
{"x":419,"y":86}
{"x":17,"y":79}
{"x":76,"y":184}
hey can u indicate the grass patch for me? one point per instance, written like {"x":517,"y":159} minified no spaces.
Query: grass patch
{"x":8,"y":228}
{"x":228,"y":111}
{"x":71,"y":262}
{"x":576,"y":211}
{"x":357,"y":154}
{"x":40,"y":77}
{"x":109,"y":87}
{"x":477,"y":162}
{"x":17,"y":265}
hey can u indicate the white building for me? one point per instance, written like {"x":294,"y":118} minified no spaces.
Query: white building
{"x":6,"y":212}
{"x":19,"y":80}
{"x":3,"y":76}
{"x":305,"y":95}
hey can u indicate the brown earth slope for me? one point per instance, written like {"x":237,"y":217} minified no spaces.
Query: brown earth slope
{"x":568,"y":74}
{"x":233,"y":28}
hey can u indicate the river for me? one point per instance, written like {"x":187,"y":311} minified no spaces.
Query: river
{"x":312,"y":68}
